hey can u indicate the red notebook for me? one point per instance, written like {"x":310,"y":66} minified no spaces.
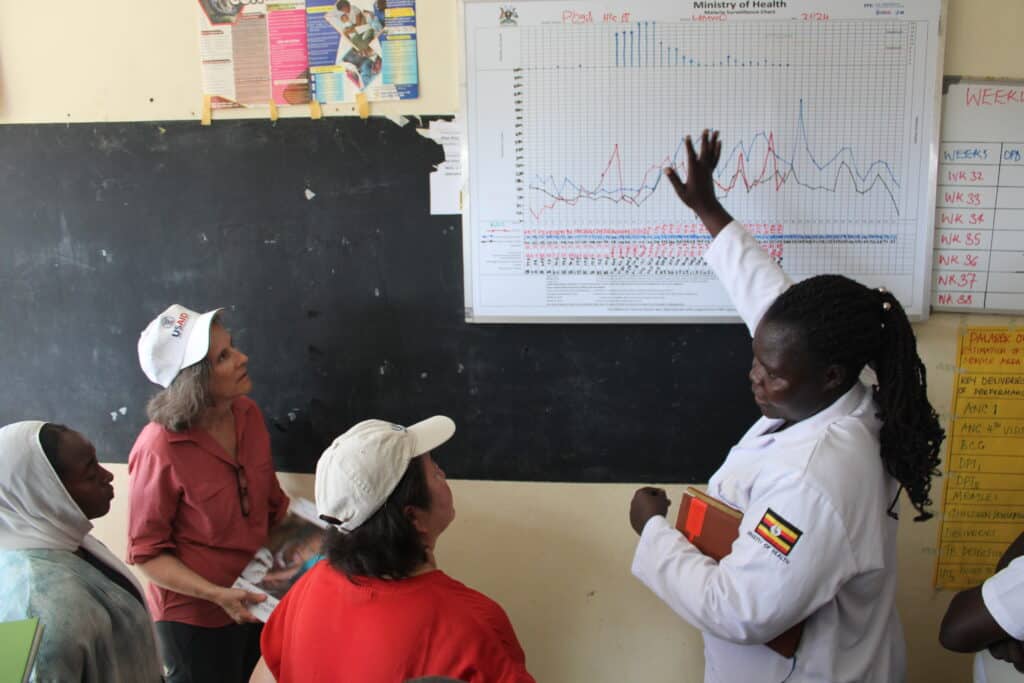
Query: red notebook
{"x":712,"y":526}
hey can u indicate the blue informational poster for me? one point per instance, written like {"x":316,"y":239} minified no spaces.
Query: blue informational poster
{"x":369,"y":47}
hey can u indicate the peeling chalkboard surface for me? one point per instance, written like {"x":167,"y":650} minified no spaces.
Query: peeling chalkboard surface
{"x":349,"y":304}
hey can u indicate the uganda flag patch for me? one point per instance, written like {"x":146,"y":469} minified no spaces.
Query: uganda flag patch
{"x":778,"y":532}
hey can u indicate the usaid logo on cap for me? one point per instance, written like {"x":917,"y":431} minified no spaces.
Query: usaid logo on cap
{"x":177,"y":323}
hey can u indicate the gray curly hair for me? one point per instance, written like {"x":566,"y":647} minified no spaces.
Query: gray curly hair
{"x":177,"y":407}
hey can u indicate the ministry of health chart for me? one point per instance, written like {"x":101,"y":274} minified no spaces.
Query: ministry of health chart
{"x":828,"y":115}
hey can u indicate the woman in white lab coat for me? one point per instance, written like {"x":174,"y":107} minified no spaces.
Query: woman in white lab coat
{"x":817,"y":478}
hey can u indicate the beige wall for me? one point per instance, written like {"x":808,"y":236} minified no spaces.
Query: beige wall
{"x":555,"y":555}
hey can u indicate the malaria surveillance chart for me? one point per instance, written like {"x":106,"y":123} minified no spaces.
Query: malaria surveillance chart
{"x":828,"y":115}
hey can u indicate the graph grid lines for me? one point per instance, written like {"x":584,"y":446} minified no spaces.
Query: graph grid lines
{"x":815,"y":123}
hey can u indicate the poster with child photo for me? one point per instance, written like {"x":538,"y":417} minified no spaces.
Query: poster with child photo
{"x":291,"y":550}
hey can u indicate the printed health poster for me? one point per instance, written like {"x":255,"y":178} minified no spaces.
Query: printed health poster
{"x":983,"y":508}
{"x":253,"y":52}
{"x":363,"y":46}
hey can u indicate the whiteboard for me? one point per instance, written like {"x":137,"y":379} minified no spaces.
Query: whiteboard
{"x":979,"y":215}
{"x":829,"y":116}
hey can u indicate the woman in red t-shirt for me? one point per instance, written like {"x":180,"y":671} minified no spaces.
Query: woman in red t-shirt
{"x":377,"y":609}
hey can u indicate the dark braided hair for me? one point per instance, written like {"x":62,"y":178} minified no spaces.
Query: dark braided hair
{"x":845,"y":323}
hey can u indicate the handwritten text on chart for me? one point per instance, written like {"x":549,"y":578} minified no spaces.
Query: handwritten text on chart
{"x":576,"y":16}
{"x":990,"y":97}
{"x":979,"y":233}
{"x":983,"y":506}
{"x":571,"y":16}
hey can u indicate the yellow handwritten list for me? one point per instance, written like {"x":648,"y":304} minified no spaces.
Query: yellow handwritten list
{"x":983,"y":508}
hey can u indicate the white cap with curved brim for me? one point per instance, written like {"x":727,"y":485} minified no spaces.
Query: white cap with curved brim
{"x":175,"y":339}
{"x":356,"y":474}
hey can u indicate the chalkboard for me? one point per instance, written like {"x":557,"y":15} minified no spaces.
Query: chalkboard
{"x":349,"y":304}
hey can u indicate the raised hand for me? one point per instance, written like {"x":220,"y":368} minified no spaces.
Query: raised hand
{"x":698,"y":191}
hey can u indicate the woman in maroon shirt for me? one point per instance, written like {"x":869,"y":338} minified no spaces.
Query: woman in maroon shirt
{"x":203,"y":496}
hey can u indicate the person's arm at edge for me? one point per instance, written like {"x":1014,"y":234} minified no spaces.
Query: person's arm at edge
{"x":262,"y":674}
{"x":968,"y":626}
{"x":1015,"y":550}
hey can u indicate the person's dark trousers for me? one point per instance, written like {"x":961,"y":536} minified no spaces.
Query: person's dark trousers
{"x":194,"y":654}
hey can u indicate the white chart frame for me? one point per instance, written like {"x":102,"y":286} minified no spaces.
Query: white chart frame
{"x":917,"y":303}
{"x":991,"y":131}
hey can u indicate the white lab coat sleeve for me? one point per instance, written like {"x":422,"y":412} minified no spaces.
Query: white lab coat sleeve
{"x":750,"y":277}
{"x":1003,"y":594}
{"x":757,"y":592}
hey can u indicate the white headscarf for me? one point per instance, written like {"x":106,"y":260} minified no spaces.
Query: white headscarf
{"x":36,"y":511}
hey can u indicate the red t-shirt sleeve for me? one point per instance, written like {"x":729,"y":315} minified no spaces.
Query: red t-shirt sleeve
{"x":154,"y":494}
{"x":509,"y":663}
{"x":513,"y":669}
{"x":508,"y":636}
{"x":272,"y":638}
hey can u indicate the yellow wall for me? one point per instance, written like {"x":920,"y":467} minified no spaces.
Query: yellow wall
{"x":555,"y":555}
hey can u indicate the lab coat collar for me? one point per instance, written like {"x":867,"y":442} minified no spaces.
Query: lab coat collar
{"x":855,"y":401}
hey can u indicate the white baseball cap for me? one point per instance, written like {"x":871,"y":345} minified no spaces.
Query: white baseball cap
{"x":175,"y":339}
{"x":356,"y":474}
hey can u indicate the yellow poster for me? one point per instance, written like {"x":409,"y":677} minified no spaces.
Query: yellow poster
{"x":983,"y":508}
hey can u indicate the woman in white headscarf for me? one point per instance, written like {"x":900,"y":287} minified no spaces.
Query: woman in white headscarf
{"x":96,"y":627}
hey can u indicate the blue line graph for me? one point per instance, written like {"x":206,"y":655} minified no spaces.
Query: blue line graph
{"x":775,"y":169}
